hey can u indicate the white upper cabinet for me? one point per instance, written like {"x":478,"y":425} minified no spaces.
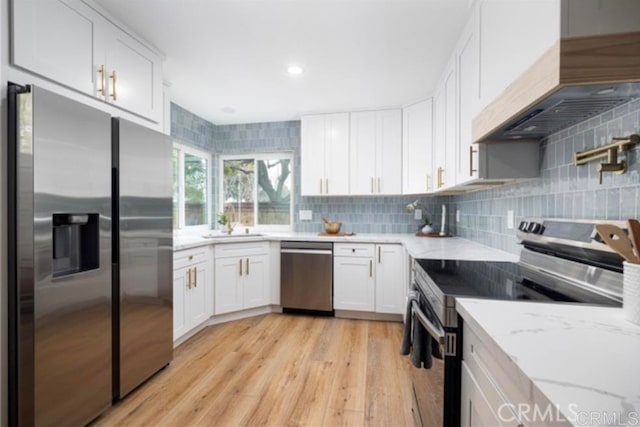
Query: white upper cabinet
{"x":513,"y":34}
{"x":389,"y":151}
{"x":70,"y":43}
{"x":444,"y":144}
{"x":55,"y":38}
{"x":376,"y":152}
{"x":466,"y":57}
{"x":325,"y":155}
{"x":135,"y":77}
{"x":417,"y":148}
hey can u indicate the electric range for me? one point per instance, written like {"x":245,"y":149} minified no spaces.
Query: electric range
{"x":562,"y":261}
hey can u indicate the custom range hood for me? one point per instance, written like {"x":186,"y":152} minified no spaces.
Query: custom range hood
{"x":578,"y":78}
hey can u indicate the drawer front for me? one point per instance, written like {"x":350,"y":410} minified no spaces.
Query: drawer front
{"x":228,"y":250}
{"x":189,"y":257}
{"x":365,"y":250}
{"x":497,"y":374}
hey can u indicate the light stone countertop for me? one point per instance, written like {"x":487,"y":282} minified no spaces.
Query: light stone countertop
{"x":584,"y":359}
{"x":417,"y":247}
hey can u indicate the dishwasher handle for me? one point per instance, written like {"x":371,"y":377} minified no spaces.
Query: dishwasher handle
{"x":306,"y":251}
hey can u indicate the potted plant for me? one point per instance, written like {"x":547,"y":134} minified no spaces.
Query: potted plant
{"x":426,"y":228}
{"x":223,"y":220}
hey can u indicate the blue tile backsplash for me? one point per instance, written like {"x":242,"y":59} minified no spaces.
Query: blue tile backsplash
{"x":563,"y":190}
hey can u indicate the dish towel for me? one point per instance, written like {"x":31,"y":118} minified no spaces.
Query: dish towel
{"x":416,"y":341}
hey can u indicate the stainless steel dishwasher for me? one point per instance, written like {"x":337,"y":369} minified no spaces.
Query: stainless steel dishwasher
{"x":306,"y":277}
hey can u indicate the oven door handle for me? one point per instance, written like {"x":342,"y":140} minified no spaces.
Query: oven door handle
{"x":434,"y":330}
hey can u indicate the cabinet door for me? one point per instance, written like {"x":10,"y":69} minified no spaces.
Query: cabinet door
{"x":255,"y":287}
{"x":362,"y":162}
{"x":312,"y":146}
{"x":513,"y":35}
{"x":388,"y":152}
{"x":417,"y":148}
{"x":55,"y":38}
{"x":468,"y":78}
{"x":474,"y":410}
{"x":228,"y":285}
{"x":390,"y":278}
{"x":336,"y":160}
{"x":451,"y":137}
{"x":198,"y":303}
{"x":353,"y":284}
{"x":180,"y":289}
{"x":135,"y":82}
{"x":439,"y":137}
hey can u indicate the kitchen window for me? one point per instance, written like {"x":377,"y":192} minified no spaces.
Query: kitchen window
{"x":257,"y":190}
{"x":191,"y":192}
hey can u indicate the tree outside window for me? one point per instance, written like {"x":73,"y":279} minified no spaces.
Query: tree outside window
{"x":262,"y":197}
{"x":191,"y":201}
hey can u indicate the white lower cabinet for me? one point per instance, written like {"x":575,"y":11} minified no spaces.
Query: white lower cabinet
{"x":390,"y":278}
{"x":192,"y":289}
{"x":368,"y":277}
{"x":475,"y":410}
{"x":495,"y":392}
{"x":241,"y":276}
{"x":353,"y":284}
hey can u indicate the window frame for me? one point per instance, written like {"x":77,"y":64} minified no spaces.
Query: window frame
{"x":182,"y":150}
{"x":257,"y":157}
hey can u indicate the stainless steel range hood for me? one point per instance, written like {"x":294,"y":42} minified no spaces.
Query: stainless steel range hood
{"x":578,"y":78}
{"x":566,"y":107}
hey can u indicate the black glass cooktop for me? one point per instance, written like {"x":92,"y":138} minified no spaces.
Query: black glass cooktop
{"x":487,"y":279}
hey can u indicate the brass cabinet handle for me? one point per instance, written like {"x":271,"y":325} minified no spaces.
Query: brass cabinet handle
{"x":379,"y":254}
{"x":379,"y":185}
{"x":103,"y":80}
{"x":240,"y":265}
{"x":190,"y":257}
{"x":370,"y":268}
{"x":247,"y":263}
{"x":372,"y":190}
{"x":326,"y":185}
{"x":471,"y":153}
{"x":114,"y":80}
{"x":440,"y":180}
{"x":189,"y":278}
{"x":195,"y":277}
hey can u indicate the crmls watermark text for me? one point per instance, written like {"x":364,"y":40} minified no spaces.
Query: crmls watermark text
{"x":525,"y":412}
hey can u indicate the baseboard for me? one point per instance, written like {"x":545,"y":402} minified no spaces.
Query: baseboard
{"x":365,"y":315}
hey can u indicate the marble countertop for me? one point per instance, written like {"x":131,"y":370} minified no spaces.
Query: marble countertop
{"x":584,"y":359}
{"x":417,"y":247}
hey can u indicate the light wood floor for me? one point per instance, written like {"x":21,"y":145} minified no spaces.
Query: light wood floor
{"x":278,"y":370}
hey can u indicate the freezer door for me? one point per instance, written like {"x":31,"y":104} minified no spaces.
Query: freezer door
{"x":62,"y":287}
{"x":145,"y":241}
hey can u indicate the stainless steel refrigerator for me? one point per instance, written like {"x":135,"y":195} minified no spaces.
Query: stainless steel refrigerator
{"x":72,"y":345}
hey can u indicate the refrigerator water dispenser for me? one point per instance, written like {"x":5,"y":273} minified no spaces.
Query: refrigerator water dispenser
{"x":75,"y":243}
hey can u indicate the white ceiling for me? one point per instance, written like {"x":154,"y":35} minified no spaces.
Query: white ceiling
{"x":232,"y":55}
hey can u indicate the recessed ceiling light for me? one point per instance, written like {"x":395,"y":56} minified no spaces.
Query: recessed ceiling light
{"x":228,"y":110}
{"x":294,"y":70}
{"x":606,"y":91}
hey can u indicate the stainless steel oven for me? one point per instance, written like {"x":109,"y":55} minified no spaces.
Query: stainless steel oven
{"x":563,"y":261}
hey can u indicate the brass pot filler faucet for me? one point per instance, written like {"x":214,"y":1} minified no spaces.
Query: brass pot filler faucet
{"x":610,"y":151}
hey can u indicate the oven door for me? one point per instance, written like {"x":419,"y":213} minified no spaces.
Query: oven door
{"x":428,"y":384}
